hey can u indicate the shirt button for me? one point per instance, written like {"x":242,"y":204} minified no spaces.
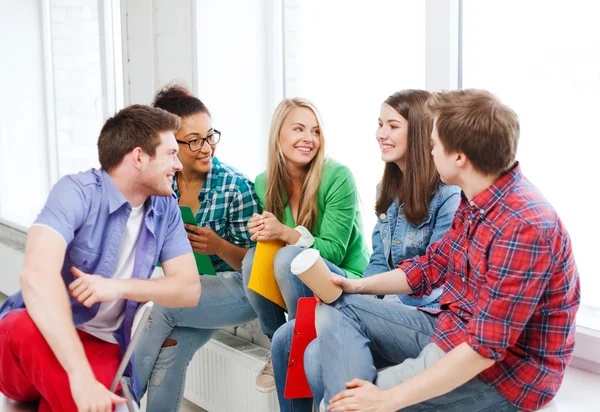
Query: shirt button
{"x":463,"y":279}
{"x":382,"y":216}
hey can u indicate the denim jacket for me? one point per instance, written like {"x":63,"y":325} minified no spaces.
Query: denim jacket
{"x":395,"y":239}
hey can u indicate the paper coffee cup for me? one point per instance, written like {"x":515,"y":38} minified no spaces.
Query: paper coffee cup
{"x":314,"y":273}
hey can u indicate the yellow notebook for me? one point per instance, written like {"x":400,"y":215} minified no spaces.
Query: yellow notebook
{"x":262,"y":277}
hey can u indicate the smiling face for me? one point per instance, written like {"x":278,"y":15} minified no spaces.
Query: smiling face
{"x":160,"y":169}
{"x":196,"y":126}
{"x":392,"y":135}
{"x":300,"y":137}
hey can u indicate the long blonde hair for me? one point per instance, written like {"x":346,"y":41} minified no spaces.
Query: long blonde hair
{"x":276,"y":196}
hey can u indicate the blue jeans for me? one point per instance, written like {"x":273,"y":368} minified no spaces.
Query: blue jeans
{"x":223,"y":303}
{"x":292,"y":289}
{"x":272,"y":316}
{"x":355,"y":327}
{"x":280,"y":352}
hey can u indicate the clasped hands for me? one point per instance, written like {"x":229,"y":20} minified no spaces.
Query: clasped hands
{"x":265,"y":227}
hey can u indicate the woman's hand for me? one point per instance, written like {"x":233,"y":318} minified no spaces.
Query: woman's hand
{"x":204,"y":240}
{"x":255,"y":223}
{"x":267,"y":226}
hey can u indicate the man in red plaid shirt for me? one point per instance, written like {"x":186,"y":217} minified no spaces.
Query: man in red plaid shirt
{"x":504,"y":333}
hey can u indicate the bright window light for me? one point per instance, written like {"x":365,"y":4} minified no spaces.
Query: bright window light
{"x":542,"y":58}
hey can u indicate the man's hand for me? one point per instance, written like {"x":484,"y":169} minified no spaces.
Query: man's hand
{"x":361,"y":396}
{"x":269,"y":228}
{"x":90,"y":289}
{"x":91,"y":396}
{"x":204,"y":240}
{"x":348,"y":285}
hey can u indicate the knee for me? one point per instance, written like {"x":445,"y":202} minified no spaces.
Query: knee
{"x":161,"y":317}
{"x":247,"y":264}
{"x":312,"y":359}
{"x":283,"y":260}
{"x":325,"y":318}
{"x":169,"y":343}
{"x":282,"y":339}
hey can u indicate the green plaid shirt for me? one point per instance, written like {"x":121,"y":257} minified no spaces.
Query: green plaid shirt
{"x":227,"y":202}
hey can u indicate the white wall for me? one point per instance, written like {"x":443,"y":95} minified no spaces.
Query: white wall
{"x":233,"y":76}
{"x":157,"y":46}
{"x":12,"y":260}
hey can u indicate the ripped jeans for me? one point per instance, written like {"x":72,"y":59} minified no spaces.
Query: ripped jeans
{"x":162,"y":370}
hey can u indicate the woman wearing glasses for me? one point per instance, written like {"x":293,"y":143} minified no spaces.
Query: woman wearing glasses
{"x":223,"y":200}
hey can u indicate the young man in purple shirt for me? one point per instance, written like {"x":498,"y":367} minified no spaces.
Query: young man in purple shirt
{"x":88,"y":260}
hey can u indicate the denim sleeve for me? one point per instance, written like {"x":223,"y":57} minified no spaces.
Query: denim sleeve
{"x":176,"y":242}
{"x":445,"y":213}
{"x":65,"y":209}
{"x":377,"y":262}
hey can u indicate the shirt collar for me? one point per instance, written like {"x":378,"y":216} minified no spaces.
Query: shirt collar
{"x":116,"y":199}
{"x":211,"y":177}
{"x":483,"y":202}
{"x":210,"y":182}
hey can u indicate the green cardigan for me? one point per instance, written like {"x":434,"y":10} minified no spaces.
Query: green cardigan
{"x":339,"y":230}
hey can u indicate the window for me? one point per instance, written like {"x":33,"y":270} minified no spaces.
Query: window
{"x":60,"y":94}
{"x":347,"y":58}
{"x":23,"y":129}
{"x":549,"y":74}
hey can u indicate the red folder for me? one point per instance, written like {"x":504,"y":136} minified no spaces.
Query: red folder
{"x":296,"y":384}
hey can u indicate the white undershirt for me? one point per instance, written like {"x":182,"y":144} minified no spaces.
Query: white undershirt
{"x":111,"y":314}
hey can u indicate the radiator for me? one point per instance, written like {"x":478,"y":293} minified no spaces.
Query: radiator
{"x":221,"y":377}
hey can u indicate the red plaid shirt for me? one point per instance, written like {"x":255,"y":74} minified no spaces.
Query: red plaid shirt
{"x":511,"y":288}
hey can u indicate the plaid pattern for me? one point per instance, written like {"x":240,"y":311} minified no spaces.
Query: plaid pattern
{"x":511,"y":288}
{"x":227,"y":202}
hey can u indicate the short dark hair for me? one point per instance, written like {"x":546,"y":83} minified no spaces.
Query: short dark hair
{"x":478,"y":124}
{"x":133,"y":126}
{"x":177,"y":99}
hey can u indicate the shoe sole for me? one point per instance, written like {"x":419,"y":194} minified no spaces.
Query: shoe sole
{"x":265,"y":390}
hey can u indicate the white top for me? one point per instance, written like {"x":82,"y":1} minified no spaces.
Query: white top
{"x":304,"y":261}
{"x":111,"y":314}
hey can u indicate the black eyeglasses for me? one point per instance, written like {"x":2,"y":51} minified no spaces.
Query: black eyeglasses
{"x":198,"y":143}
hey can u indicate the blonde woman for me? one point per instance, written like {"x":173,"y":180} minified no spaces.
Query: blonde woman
{"x":309,"y":200}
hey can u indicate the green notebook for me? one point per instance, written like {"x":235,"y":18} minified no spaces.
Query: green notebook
{"x":203,"y":262}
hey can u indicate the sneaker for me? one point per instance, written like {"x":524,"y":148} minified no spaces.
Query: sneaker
{"x":265,"y":381}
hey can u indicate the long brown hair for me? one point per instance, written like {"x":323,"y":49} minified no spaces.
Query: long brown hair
{"x":277,"y":175}
{"x":416,"y":186}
